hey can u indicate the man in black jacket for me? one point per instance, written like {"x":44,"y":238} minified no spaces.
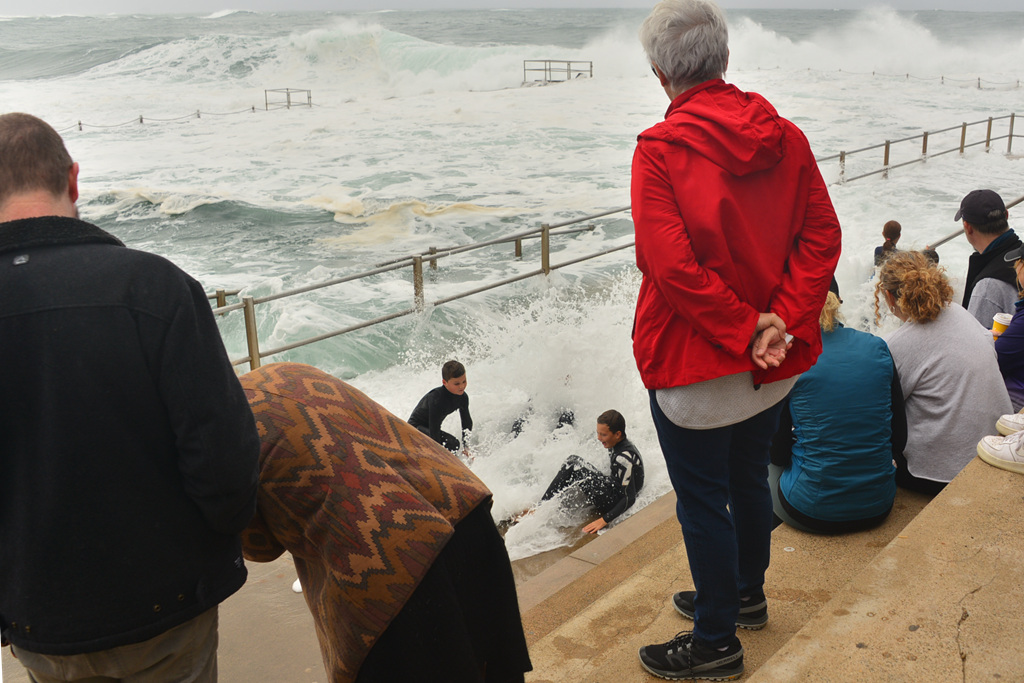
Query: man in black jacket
{"x":130,"y":453}
{"x":991,"y":283}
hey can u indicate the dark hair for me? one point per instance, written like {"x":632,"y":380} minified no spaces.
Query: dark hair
{"x":891,"y":232}
{"x":32,"y":157}
{"x":994,"y":227}
{"x":613,"y":420}
{"x":452,"y":369}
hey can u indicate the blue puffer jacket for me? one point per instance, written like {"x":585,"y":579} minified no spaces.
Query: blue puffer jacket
{"x":841,"y":408}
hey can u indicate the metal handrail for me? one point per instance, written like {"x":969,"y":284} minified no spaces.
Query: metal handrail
{"x":248,"y":303}
{"x":435,"y":253}
{"x":887,"y":146}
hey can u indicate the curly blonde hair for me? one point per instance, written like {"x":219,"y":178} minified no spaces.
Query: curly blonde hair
{"x":920,"y":288}
{"x":830,"y":315}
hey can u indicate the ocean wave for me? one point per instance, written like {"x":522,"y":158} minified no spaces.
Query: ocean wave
{"x":878,"y":39}
{"x":227,"y":13}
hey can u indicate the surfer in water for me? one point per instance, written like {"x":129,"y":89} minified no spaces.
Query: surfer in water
{"x":611,"y":494}
{"x":442,"y":401}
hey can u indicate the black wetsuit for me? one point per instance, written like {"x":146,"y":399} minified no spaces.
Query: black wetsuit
{"x":611,"y":495}
{"x":433,"y":408}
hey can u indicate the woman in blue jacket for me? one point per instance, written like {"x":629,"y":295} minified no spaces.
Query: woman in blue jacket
{"x":843,"y":425}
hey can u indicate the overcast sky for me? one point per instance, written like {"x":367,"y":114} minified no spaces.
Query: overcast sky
{"x":15,"y":7}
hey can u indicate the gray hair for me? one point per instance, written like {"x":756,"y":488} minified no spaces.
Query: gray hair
{"x":688,"y":40}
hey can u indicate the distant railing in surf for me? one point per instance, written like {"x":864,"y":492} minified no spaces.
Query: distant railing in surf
{"x":925,"y":137}
{"x":544,"y":233}
{"x":287,"y":101}
{"x":555,"y":70}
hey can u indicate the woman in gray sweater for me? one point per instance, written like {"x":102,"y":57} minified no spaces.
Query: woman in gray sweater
{"x":947,"y":365}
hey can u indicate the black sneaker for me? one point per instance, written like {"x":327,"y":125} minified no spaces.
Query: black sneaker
{"x":682,"y":658}
{"x":753,"y":615}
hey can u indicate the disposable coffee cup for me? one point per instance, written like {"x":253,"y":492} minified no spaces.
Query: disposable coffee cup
{"x":1000,"y":321}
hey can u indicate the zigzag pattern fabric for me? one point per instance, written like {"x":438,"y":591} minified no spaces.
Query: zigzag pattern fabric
{"x":362,"y":501}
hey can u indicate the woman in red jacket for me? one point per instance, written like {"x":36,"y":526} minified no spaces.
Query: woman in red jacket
{"x":737,"y":241}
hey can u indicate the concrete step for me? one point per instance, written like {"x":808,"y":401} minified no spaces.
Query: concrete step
{"x":943,"y":601}
{"x":587,"y":616}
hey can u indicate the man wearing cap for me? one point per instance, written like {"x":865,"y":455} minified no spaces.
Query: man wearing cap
{"x":991,"y":286}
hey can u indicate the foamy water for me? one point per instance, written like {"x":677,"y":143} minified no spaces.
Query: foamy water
{"x":421,"y":135}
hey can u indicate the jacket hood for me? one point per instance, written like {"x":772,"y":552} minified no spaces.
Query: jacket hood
{"x":738,"y":131}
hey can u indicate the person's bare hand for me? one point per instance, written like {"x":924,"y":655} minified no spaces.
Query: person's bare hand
{"x":766,"y":320}
{"x":595,"y":526}
{"x":769,"y":347}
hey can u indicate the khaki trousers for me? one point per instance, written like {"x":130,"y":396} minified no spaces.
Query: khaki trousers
{"x":184,"y":654}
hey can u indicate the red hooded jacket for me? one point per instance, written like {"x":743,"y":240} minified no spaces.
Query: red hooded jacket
{"x":732,"y":219}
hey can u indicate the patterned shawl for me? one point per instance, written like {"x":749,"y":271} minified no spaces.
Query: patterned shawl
{"x":362,"y":501}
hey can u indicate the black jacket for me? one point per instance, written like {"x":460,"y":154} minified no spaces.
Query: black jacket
{"x":129,"y":457}
{"x":990,"y":264}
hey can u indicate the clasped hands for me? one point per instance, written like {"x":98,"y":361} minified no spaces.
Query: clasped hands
{"x":768,"y":346}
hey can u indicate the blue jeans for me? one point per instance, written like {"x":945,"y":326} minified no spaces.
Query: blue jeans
{"x":724,"y":506}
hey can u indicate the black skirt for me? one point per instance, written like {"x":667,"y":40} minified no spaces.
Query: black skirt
{"x":462,"y":623}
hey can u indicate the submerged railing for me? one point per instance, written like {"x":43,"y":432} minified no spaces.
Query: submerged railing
{"x":544,"y":233}
{"x":556,"y":70}
{"x":287,"y":102}
{"x":924,"y":137}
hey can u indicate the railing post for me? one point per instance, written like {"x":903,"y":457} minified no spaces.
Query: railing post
{"x":545,"y":246}
{"x":885,"y":161}
{"x":963,"y":138}
{"x":842,"y":167}
{"x":988,"y":135}
{"x":417,"y":281}
{"x":251,"y":337}
{"x":433,"y":261}
{"x":222,"y":298}
{"x":1009,"y":138}
{"x":519,"y":247}
{"x":924,"y":145}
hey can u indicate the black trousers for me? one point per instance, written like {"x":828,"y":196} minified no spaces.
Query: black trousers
{"x":598,"y":487}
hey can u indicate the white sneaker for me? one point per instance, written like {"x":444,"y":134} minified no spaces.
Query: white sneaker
{"x":1010,"y":424}
{"x":1004,"y":452}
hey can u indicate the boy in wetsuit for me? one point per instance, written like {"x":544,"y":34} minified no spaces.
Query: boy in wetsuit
{"x":611,"y":495}
{"x":442,"y":401}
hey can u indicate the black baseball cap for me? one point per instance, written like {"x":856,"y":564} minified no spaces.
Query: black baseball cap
{"x":980,"y":207}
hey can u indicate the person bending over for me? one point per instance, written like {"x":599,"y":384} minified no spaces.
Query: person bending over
{"x":401,"y":565}
{"x":442,"y":401}
{"x":611,"y":495}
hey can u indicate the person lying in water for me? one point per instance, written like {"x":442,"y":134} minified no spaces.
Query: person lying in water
{"x":610,"y":494}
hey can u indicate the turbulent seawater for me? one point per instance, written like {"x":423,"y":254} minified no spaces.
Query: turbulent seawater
{"x":422,"y":134}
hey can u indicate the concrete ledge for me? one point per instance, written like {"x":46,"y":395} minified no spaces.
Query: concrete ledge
{"x":562,"y":590}
{"x":941,"y":602}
